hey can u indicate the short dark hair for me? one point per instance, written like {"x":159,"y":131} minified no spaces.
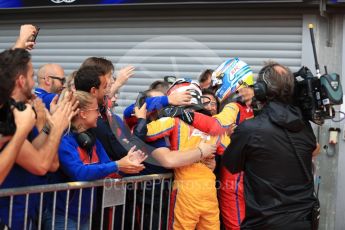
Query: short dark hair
{"x":279,"y":81}
{"x":162,"y":86}
{"x":88,"y":77}
{"x":13,"y":62}
{"x":103,"y":63}
{"x":205,"y":75}
{"x":210,"y":92}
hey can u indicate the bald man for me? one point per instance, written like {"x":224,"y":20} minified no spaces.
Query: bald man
{"x":51,"y":81}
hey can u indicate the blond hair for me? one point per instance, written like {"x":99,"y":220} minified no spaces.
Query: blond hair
{"x":70,"y":81}
{"x":85,"y":99}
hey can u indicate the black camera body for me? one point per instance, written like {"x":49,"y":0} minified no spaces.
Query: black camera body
{"x":7,"y":124}
{"x":317,"y":96}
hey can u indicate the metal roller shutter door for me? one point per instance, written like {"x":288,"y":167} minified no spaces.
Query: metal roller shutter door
{"x":181,"y":47}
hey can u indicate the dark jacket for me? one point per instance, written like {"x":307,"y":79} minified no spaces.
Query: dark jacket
{"x":117,"y":146}
{"x":117,"y":139}
{"x":277,"y":192}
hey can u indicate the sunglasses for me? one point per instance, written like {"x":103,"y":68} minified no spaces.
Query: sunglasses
{"x":62,"y":80}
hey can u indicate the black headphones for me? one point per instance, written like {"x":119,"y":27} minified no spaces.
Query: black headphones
{"x":260,"y":91}
{"x":260,"y":87}
{"x":86,"y":140}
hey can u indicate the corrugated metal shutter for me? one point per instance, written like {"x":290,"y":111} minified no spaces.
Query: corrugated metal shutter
{"x":181,"y":47}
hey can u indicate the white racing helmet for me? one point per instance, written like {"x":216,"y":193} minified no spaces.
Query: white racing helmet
{"x":230,"y":76}
{"x":185,"y":84}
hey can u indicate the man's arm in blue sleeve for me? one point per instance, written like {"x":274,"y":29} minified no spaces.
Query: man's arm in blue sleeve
{"x":152,"y":104}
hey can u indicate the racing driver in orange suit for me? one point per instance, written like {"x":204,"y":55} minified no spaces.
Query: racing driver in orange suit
{"x":232,"y":78}
{"x":194,"y":203}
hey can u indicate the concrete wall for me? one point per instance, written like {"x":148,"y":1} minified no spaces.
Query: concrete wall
{"x":340,"y":200}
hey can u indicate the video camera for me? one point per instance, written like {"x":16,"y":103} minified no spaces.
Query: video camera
{"x":316,"y":95}
{"x":7,"y":124}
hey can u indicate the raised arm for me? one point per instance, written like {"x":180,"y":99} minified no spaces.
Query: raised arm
{"x":23,"y":40}
{"x":39,"y":161}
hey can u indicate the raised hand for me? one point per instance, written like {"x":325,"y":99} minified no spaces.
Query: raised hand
{"x":53,"y":104}
{"x":121,"y":78}
{"x":24,"y":120}
{"x":140,"y":112}
{"x":180,"y":98}
{"x":66,"y":96}
{"x":41,"y":113}
{"x":26,"y":32}
{"x":124,"y":74}
{"x":132,"y":162}
{"x":63,"y":114}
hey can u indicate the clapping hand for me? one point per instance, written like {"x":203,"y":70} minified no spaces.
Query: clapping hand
{"x":132,"y":163}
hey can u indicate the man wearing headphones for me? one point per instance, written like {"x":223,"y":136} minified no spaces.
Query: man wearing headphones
{"x":272,"y":149}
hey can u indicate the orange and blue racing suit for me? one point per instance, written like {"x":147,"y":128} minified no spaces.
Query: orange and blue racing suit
{"x":231,"y":191}
{"x":194,"y":203}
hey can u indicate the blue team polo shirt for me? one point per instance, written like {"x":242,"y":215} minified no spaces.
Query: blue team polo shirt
{"x":45,"y":96}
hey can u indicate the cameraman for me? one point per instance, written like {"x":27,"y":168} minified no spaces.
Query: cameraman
{"x":278,"y":191}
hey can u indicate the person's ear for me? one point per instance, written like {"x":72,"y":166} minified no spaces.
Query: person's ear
{"x":82,"y":114}
{"x":48,"y":81}
{"x":93,"y":91}
{"x":21,"y":80}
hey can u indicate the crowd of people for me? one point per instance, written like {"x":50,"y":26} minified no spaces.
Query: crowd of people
{"x":204,"y":132}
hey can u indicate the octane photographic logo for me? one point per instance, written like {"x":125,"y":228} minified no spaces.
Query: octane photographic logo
{"x":61,"y":1}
